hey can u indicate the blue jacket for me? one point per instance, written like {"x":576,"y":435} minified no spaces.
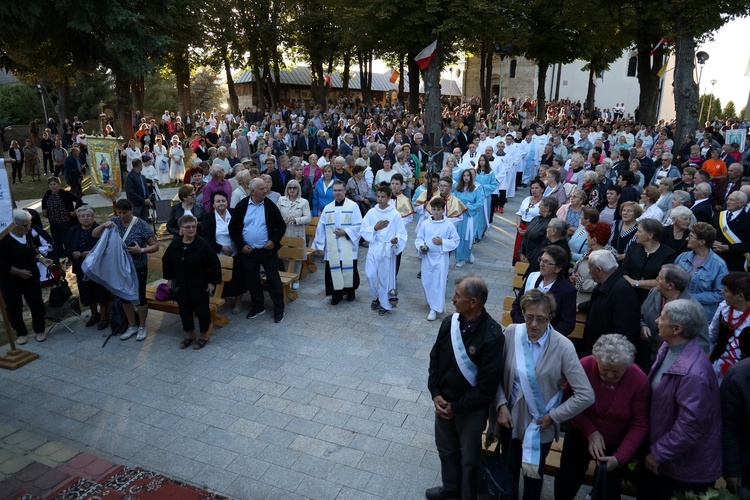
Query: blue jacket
{"x":322,"y":196}
{"x":705,"y":285}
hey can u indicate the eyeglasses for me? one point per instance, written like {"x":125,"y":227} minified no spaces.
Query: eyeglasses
{"x":191,"y":227}
{"x":539,"y":320}
{"x":543,"y":262}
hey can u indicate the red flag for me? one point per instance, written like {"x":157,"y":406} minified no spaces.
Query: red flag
{"x":394,"y":76}
{"x":664,"y":40}
{"x":328,"y":80}
{"x":423,"y":58}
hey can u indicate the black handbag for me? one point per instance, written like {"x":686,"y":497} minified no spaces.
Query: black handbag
{"x":498,"y":476}
{"x":599,"y":490}
{"x":60,"y":293}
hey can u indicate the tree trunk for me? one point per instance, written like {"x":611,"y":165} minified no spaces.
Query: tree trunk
{"x":591,"y":92}
{"x":62,"y":108}
{"x":648,"y":104}
{"x":432,"y":106}
{"x":260,"y":101}
{"x":413,"y":84}
{"x":685,"y":88}
{"x":488,"y":68}
{"x":319,"y":87}
{"x":345,"y":76}
{"x":367,"y":81}
{"x":124,"y":106}
{"x":557,"y":84}
{"x":541,"y":105}
{"x":139,"y":94}
{"x":401,"y":95}
{"x":181,"y":70}
{"x":234,"y":102}
{"x":276,"y":83}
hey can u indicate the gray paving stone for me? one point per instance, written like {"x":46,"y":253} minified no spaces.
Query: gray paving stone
{"x":388,"y":417}
{"x":342,"y":455}
{"x":350,"y":476}
{"x":327,"y":402}
{"x":319,"y":489}
{"x":369,"y":444}
{"x":353,"y":494}
{"x":187,"y":447}
{"x":405,"y":453}
{"x":314,"y":466}
{"x":336,"y":435}
{"x":304,"y":427}
{"x":273,"y":418}
{"x":248,"y":466}
{"x":244,"y":487}
{"x":351,"y":395}
{"x":218,"y":419}
{"x":281,"y":456}
{"x":246,"y":428}
{"x":301,"y":410}
{"x":332,"y":418}
{"x":214,"y":478}
{"x":272,"y":403}
{"x":277,"y":437}
{"x":310,"y":446}
{"x":356,"y":410}
{"x":283,"y":478}
{"x":387,"y":487}
{"x":218,"y":457}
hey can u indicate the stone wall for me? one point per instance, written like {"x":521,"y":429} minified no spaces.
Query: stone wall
{"x":521,"y":86}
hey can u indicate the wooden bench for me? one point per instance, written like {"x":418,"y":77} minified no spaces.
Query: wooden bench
{"x":293,"y":250}
{"x":519,"y":270}
{"x":505,"y":319}
{"x":170,"y":306}
{"x":308,"y":264}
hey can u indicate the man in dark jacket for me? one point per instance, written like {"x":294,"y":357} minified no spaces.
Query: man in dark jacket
{"x":614,"y":306}
{"x":256,"y":229}
{"x":462,"y":387}
{"x":735,"y":416}
{"x":136,"y":190}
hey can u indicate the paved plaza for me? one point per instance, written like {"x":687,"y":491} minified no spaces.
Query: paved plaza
{"x":331,"y":403}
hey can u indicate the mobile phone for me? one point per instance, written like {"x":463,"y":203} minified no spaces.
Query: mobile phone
{"x":132,"y":244}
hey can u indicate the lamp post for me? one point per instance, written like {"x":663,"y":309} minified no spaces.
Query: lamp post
{"x":502,"y":51}
{"x":710,"y":99}
{"x":44,"y":105}
{"x":701,"y":57}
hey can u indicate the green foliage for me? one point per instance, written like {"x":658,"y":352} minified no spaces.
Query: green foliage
{"x":711,"y":494}
{"x":161,"y":93}
{"x":87,"y":92}
{"x":729,"y":111}
{"x":205,"y":91}
{"x":19,"y":104}
{"x":742,"y":112}
{"x":704,"y":102}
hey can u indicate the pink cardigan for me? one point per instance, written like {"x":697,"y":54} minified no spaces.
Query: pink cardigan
{"x":620,"y":414}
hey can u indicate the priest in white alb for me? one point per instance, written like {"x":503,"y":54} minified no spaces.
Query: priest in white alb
{"x":436,"y":239}
{"x":383,"y":228}
{"x":337,"y":236}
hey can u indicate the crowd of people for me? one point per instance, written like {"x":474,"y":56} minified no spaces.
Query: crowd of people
{"x":649,"y":238}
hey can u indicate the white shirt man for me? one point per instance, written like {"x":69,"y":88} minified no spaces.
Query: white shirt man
{"x":383,"y":228}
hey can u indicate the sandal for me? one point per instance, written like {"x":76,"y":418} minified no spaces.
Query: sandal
{"x":186,"y":342}
{"x":236,"y":311}
{"x":200,"y":343}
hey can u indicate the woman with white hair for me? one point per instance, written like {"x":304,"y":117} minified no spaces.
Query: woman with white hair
{"x":612,"y":429}
{"x":676,"y":235}
{"x":680,"y":198}
{"x":19,"y":277}
{"x":243,"y":179}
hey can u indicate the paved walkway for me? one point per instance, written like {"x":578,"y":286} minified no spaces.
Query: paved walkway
{"x":331,"y":403}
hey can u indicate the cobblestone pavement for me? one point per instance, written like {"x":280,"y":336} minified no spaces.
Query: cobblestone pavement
{"x":331,"y":403}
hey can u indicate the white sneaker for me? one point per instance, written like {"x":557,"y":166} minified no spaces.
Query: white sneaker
{"x":461,"y":263}
{"x":295,"y":285}
{"x":141,"y":334}
{"x":21,"y":340}
{"x":132,"y":330}
{"x":471,"y":258}
{"x":432,"y":316}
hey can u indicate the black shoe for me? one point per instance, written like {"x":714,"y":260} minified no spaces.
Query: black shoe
{"x":255,"y":313}
{"x":439,"y":493}
{"x":351,"y":296}
{"x":93,"y":320}
{"x":278,"y":318}
{"x":419,"y":275}
{"x":375,"y":304}
{"x":335,"y":300}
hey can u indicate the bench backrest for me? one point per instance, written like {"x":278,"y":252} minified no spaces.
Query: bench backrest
{"x":292,"y":249}
{"x":155,"y":264}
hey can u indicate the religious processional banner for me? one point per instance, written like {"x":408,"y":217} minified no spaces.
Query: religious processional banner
{"x":104,"y":163}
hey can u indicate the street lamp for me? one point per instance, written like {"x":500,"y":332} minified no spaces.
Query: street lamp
{"x":502,"y":51}
{"x":44,"y":105}
{"x":701,"y":57}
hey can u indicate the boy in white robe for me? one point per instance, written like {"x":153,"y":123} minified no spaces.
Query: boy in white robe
{"x":384,"y":230}
{"x":403,"y":205}
{"x":436,"y":238}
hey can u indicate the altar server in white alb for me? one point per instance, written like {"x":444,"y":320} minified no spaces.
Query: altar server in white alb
{"x":436,"y":238}
{"x":383,"y":228}
{"x":337,"y":236}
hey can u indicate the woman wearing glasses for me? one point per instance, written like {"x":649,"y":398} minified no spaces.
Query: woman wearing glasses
{"x":528,"y":404}
{"x":187,"y":205}
{"x":193,"y":271}
{"x":551,"y":277}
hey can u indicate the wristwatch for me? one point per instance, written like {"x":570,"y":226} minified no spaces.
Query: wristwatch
{"x":636,"y":284}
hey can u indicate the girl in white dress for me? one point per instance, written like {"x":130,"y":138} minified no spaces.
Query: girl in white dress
{"x":177,"y":167}
{"x":161,"y":162}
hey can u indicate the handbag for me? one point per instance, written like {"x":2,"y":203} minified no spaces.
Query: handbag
{"x":599,"y":490}
{"x":163,"y":292}
{"x":498,"y":477}
{"x":60,"y":293}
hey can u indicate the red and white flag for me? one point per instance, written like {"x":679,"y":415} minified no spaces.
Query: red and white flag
{"x":664,"y":40}
{"x":394,"y":76}
{"x":328,"y":80}
{"x":423,"y":58}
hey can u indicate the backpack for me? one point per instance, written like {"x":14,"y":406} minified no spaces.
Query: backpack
{"x":118,"y":322}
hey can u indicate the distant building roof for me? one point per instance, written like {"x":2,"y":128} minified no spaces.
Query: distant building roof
{"x":301,"y":76}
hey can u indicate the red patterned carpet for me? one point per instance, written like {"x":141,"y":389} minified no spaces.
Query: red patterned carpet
{"x":127,"y":484}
